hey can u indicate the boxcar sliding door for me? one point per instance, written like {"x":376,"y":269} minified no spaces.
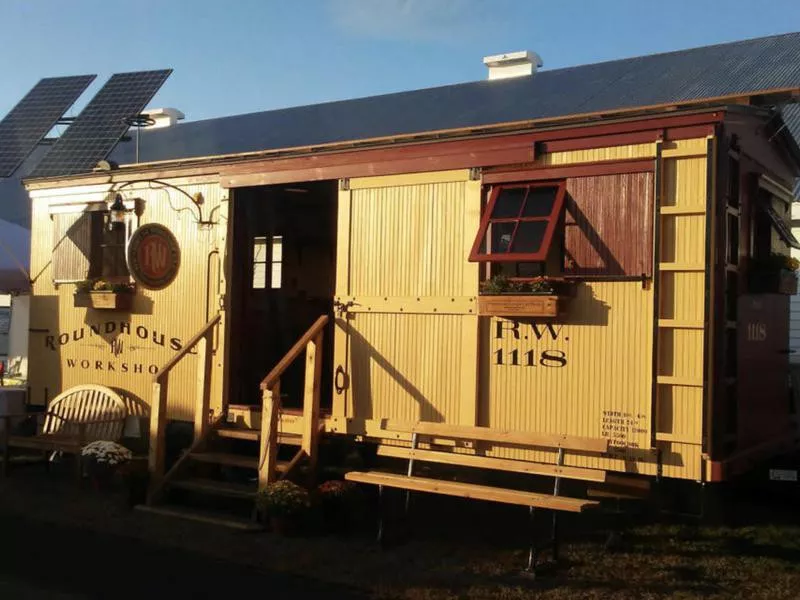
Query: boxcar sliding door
{"x":406,"y":335}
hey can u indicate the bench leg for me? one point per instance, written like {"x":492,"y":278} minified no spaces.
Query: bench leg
{"x":381,"y":511}
{"x":531,"y":568}
{"x":555,"y":536}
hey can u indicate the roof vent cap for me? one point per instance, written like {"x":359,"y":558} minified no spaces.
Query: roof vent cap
{"x":164,"y":117}
{"x":512,"y":64}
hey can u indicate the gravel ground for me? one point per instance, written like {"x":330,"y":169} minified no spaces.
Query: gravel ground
{"x":62,"y":542}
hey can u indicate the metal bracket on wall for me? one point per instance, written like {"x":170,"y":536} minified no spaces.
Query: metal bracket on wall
{"x":475,"y":174}
{"x":344,"y":184}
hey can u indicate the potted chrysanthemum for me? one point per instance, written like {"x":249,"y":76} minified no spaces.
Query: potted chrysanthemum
{"x":283,"y":503}
{"x":338,"y":501}
{"x":102,"y":459}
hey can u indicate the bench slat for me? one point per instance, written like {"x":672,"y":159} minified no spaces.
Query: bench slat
{"x":501,"y":464}
{"x":45,"y":442}
{"x":469,"y":490}
{"x":500,"y":436}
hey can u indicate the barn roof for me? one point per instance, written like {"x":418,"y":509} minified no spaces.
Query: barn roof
{"x":741,"y":68}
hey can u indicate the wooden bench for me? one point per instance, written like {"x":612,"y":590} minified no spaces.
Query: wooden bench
{"x":443,"y":440}
{"x":82,"y":414}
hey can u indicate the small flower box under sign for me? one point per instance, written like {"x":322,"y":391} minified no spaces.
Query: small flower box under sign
{"x":513,"y":305}
{"x":104,"y":300}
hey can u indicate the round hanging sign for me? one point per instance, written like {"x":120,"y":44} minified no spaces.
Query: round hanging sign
{"x":154,"y":256}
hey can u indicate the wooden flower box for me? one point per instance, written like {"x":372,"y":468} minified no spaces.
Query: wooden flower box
{"x":104,"y":300}
{"x":775,"y":282}
{"x":521,"y":305}
{"x":787,"y":283}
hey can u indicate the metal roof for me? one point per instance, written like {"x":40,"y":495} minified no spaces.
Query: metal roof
{"x":739,"y":68}
{"x":791,"y":117}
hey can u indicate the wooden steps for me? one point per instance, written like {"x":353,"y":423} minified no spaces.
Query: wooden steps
{"x":215,"y":488}
{"x":254,"y":435}
{"x":239,"y":433}
{"x":235,"y":460}
{"x":202,"y":517}
{"x":229,"y":460}
{"x":203,"y":483}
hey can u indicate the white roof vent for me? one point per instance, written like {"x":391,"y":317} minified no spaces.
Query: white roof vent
{"x":164,"y":117}
{"x":512,"y":64}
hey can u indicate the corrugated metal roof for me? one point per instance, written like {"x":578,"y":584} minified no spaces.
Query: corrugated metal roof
{"x":791,"y":117}
{"x":743,"y":67}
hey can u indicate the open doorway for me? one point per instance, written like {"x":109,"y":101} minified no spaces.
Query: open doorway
{"x":282,"y":277}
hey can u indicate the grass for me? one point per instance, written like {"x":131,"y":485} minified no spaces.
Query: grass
{"x":465,"y":550}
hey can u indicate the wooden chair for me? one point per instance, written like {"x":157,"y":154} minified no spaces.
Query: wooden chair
{"x":80,"y":415}
{"x":441,"y":439}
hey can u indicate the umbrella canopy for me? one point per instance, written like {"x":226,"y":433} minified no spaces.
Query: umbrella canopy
{"x":15,"y":251}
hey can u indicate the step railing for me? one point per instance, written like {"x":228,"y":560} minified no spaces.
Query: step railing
{"x":311,"y":343}
{"x":203,"y":341}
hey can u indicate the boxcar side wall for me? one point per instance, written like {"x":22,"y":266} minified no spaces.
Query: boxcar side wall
{"x":72,"y":345}
{"x":413,"y":347}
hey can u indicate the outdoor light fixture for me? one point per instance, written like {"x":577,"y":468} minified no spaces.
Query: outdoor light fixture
{"x":117,"y":213}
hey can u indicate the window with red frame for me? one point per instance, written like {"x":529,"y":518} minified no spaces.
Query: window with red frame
{"x":520,"y":223}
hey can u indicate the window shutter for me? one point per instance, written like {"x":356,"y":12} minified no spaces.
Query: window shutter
{"x":75,"y":245}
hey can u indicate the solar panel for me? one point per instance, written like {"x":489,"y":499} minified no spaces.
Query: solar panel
{"x":30,"y":120}
{"x":101,"y":124}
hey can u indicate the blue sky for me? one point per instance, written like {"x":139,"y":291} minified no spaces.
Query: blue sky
{"x":248,"y":55}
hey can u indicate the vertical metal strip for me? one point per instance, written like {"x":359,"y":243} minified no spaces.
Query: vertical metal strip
{"x":656,"y":282}
{"x":708,"y":317}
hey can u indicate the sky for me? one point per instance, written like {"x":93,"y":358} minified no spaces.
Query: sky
{"x":239,"y":56}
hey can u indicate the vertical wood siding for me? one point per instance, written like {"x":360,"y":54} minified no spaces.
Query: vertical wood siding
{"x":603,"y":390}
{"x":609,"y":225}
{"x":70,"y":346}
{"x":589,"y":373}
{"x":408,"y":240}
{"x":72,"y":245}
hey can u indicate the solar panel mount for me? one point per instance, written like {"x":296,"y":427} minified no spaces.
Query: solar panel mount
{"x":100,"y":125}
{"x":35,"y":115}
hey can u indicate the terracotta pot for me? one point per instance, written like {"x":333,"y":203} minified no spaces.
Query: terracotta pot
{"x":282,"y":525}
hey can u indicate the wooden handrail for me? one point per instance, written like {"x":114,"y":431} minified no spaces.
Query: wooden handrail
{"x":170,"y":364}
{"x":293,"y":353}
{"x":158,"y":406}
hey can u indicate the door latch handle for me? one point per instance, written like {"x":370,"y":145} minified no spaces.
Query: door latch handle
{"x":340,"y":380}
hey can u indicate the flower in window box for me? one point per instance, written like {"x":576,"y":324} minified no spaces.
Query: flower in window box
{"x":773,"y":274}
{"x":104,"y":294}
{"x":539,"y":297}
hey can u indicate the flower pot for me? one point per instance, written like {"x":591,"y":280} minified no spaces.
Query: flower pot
{"x":787,"y":283}
{"x":282,"y":525}
{"x":773,"y":282}
{"x":104,"y":300}
{"x":101,"y":478}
